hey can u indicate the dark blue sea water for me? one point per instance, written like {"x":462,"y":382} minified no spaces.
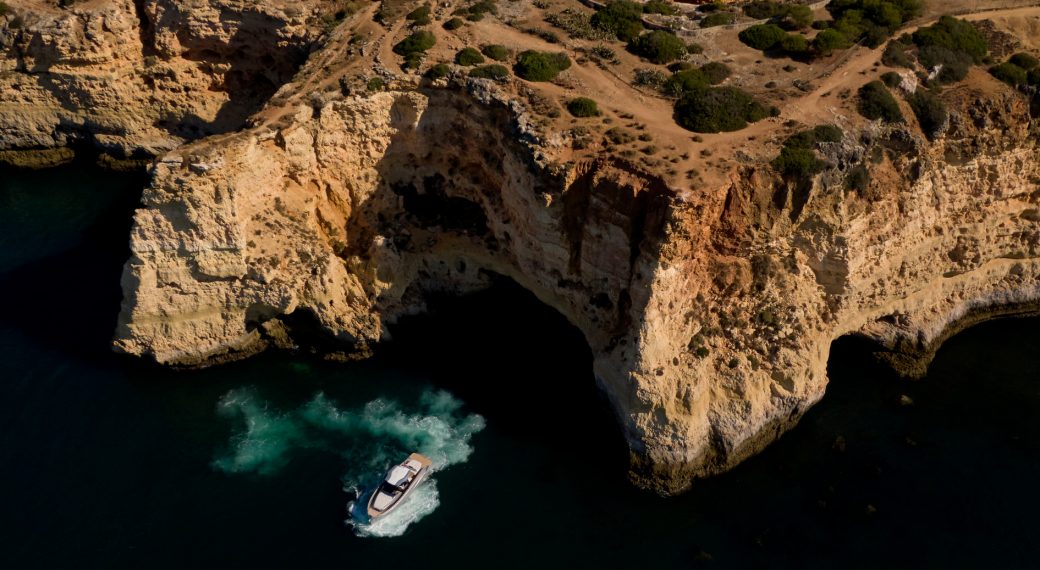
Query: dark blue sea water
{"x":111,"y":462}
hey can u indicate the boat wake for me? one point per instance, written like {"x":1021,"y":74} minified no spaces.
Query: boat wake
{"x":370,"y":440}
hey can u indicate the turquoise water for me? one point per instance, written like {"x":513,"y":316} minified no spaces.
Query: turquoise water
{"x":110,"y":462}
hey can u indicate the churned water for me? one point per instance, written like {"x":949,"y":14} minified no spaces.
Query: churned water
{"x":110,"y":462}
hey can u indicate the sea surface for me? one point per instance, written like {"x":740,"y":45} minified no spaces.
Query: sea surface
{"x":108,"y":461}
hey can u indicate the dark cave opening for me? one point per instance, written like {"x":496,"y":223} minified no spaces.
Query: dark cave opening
{"x":516,"y":361}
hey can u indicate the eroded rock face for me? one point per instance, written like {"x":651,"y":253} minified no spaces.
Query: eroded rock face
{"x":139,"y":78}
{"x":710,"y":312}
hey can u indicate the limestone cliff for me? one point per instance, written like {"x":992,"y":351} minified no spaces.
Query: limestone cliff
{"x":709,"y":303}
{"x":710,"y":312}
{"x":139,"y":78}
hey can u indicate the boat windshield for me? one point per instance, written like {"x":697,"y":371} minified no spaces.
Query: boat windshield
{"x":390,"y":489}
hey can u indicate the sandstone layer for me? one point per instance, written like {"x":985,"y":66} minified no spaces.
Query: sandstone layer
{"x":138,"y":78}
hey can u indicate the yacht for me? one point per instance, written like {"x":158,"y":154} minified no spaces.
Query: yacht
{"x":398,"y":484}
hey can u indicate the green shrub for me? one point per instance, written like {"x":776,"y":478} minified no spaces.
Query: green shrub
{"x":540,"y":66}
{"x":719,"y":109}
{"x":375,"y":84}
{"x":822,"y":24}
{"x":622,"y":18}
{"x":695,"y":49}
{"x":382,"y":16}
{"x":807,"y":139}
{"x":930,"y":112}
{"x":475,"y":17}
{"x":453,"y":24}
{"x":858,"y":179}
{"x":798,"y":16}
{"x":719,"y":19}
{"x":953,"y":34}
{"x":715,"y":72}
{"x":412,"y":62}
{"x":891,"y":79}
{"x":1024,"y":60}
{"x":658,"y":46}
{"x":150,"y":61}
{"x":895,"y":55}
{"x":650,"y":78}
{"x":794,"y":43}
{"x":762,"y":10}
{"x":702,"y":352}
{"x":655,"y":7}
{"x":1033,"y":77}
{"x":356,"y":39}
{"x":583,"y":107}
{"x":955,"y":64}
{"x":3,"y":9}
{"x":495,"y":71}
{"x":875,"y":102}
{"x":420,"y":15}
{"x":827,"y":133}
{"x":469,"y":57}
{"x":496,"y":52}
{"x":1009,"y":73}
{"x":827,"y":41}
{"x":483,"y":7}
{"x":686,"y":81}
{"x":799,"y":161}
{"x":875,"y":36}
{"x":438,"y":71}
{"x":680,"y":66}
{"x":762,"y":36}
{"x":416,"y":43}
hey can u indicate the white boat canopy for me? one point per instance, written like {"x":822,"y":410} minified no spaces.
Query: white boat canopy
{"x":399,"y":475}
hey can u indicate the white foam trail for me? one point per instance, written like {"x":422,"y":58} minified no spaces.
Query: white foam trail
{"x":370,"y":440}
{"x":421,"y":502}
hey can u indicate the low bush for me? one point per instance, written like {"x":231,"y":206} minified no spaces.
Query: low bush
{"x":655,"y":7}
{"x":955,"y":64}
{"x":858,"y":180}
{"x":1033,"y":77}
{"x":686,"y":81}
{"x":827,"y":41}
{"x":875,"y":102}
{"x":438,"y":71}
{"x":953,"y":34}
{"x":420,"y":15}
{"x":762,"y":9}
{"x":622,"y":18}
{"x":475,"y":17}
{"x":418,"y":42}
{"x":680,"y":66}
{"x":794,"y":43}
{"x":650,"y":78}
{"x":658,"y":46}
{"x":583,"y":107}
{"x":483,"y":7}
{"x":1024,"y":60}
{"x":895,"y":55}
{"x":496,"y":52}
{"x":1009,"y":73}
{"x":715,"y":72}
{"x":540,"y":66}
{"x":762,"y":36}
{"x":718,"y":19}
{"x":891,"y":79}
{"x":375,"y":84}
{"x":469,"y":57}
{"x":495,"y":71}
{"x":798,"y":16}
{"x":719,"y":109}
{"x":695,"y":49}
{"x":808,"y":139}
{"x":799,"y":161}
{"x":453,"y":24}
{"x":930,"y":112}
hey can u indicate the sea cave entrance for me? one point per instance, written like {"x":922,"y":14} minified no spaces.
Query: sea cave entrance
{"x":519,"y":363}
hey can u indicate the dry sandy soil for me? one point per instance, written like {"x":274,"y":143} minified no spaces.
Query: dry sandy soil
{"x":642,"y":111}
